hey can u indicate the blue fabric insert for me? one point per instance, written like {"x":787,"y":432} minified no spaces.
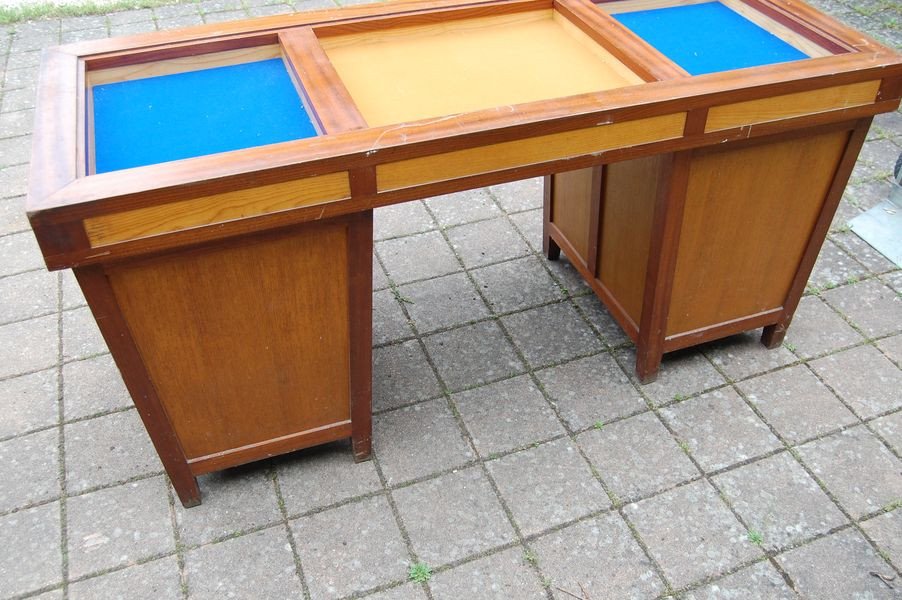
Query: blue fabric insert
{"x":158,"y":119}
{"x":708,"y":38}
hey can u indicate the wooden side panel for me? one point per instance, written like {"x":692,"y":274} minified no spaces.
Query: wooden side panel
{"x":572,"y":207}
{"x":749,"y":215}
{"x":630,"y":189}
{"x":245,"y":343}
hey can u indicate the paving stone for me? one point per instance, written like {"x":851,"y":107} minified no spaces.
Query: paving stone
{"x":520,"y":195}
{"x":273,"y":9}
{"x":892,"y":347}
{"x":352,"y":548}
{"x":83,"y":35}
{"x":867,"y":194}
{"x":589,"y":390}
{"x":720,"y":429}
{"x":778,"y":499}
{"x":18,"y":122}
{"x":757,"y":582}
{"x":453,"y":516}
{"x":146,"y":26}
{"x":37,"y":561}
{"x":864,"y":253}
{"x":28,"y":402}
{"x":12,"y":215}
{"x":419,"y":440}
{"x":835,"y":267}
{"x":886,"y":531}
{"x":13,"y":100}
{"x":257,"y":565}
{"x":28,"y":295}
{"x":598,"y":557}
{"x":401,"y":375}
{"x":894,"y":280}
{"x":816,"y":329}
{"x":442,"y":302}
{"x":15,"y":150}
{"x":691,"y":533}
{"x":551,"y":334}
{"x":106,"y":450}
{"x":529,"y":224}
{"x":873,"y":307}
{"x":890,"y":428}
{"x":743,"y":355}
{"x":118,"y":526}
{"x":56,"y":594}
{"x":324,"y":475}
{"x":93,"y":386}
{"x":417,"y":257}
{"x":877,"y":159}
{"x":637,"y":457}
{"x":463,"y":207}
{"x":21,"y":60}
{"x":516,"y":284}
{"x":850,"y":559}
{"x":81,"y":336}
{"x":380,"y":279}
{"x":208,"y":6}
{"x":186,"y":21}
{"x":564,"y":271}
{"x":473,"y":355}
{"x":602,"y":321}
{"x":29,"y":345}
{"x":683,"y":373}
{"x":401,"y":219}
{"x":149,"y":581}
{"x":486,"y":242}
{"x":86,"y":22}
{"x":502,"y":576}
{"x":864,"y":378}
{"x":389,"y":321}
{"x":14,"y":180}
{"x":29,"y":469}
{"x":547,"y":486}
{"x":19,"y":253}
{"x":797,"y":404}
{"x":409,"y":591}
{"x":130,"y":16}
{"x":234,"y":500}
{"x":857,"y":469}
{"x":507,"y":415}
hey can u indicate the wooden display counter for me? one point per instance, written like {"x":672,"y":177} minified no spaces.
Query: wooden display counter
{"x":212,"y":188}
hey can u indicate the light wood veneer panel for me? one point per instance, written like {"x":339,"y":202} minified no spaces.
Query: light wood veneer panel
{"x":572,"y":208}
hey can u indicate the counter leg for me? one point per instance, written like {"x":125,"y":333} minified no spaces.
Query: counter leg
{"x":550,"y":248}
{"x":360,"y":253}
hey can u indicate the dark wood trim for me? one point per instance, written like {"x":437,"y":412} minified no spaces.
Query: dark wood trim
{"x":360,"y":315}
{"x":550,"y":248}
{"x":721,"y":330}
{"x":800,"y":26}
{"x":595,"y":219}
{"x":363,"y":182}
{"x":695,"y":121}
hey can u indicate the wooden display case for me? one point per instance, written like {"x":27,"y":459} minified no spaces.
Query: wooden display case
{"x":228,"y":262}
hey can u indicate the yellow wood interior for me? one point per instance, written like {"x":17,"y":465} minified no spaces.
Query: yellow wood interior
{"x":420,"y":72}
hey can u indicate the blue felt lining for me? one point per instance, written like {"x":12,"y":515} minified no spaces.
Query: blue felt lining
{"x":158,"y":119}
{"x":708,"y":38}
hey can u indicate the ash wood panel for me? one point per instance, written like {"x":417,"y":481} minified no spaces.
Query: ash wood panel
{"x":220,"y":208}
{"x":495,"y":157}
{"x":571,"y":208}
{"x":752,"y":112}
{"x":237,"y":339}
{"x":748,"y":218}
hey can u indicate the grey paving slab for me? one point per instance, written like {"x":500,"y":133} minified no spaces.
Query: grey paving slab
{"x":118,"y":526}
{"x":516,"y":285}
{"x":417,"y":257}
{"x":146,"y":26}
{"x":564,"y":271}
{"x":691,"y":533}
{"x":86,"y":22}
{"x":12,"y":214}
{"x":601,"y":320}
{"x":28,"y":295}
{"x":93,"y":386}
{"x":850,"y":559}
{"x":742,"y":356}
{"x":797,"y":404}
{"x":389,"y":321}
{"x":637,"y":457}
{"x":72,"y":295}
{"x":890,"y":429}
{"x":29,"y":469}
{"x":442,"y":302}
{"x":870,"y":305}
{"x":257,"y":565}
{"x":589,"y":390}
{"x":720,"y":429}
{"x":401,"y":375}
{"x":835,"y":267}
{"x":892,"y":347}
{"x":778,"y":499}
{"x":380,"y":279}
{"x":886,"y":531}
{"x":402,"y":219}
{"x":863,"y":252}
{"x":107,"y":450}
{"x":816,"y":329}
{"x":234,"y":501}
{"x":857,"y":469}
{"x":760,"y":581}
{"x":501,"y":576}
{"x":864,"y":378}
{"x":473,"y":355}
{"x":23,"y":59}
{"x":551,"y":334}
{"x":486,"y":242}
{"x":153,"y":580}
{"x":408,"y":591}
{"x":83,"y":35}
{"x":19,"y":253}
{"x":352,"y":548}
{"x":28,"y":402}
{"x":322,"y":476}
{"x":463,"y":207}
{"x":547,"y":486}
{"x":15,"y":150}
{"x":17,"y":123}
{"x":682,"y":374}
{"x":36,"y":561}
{"x":599,"y":558}
{"x":81,"y":336}
{"x":418,"y":441}
{"x":529,"y":224}
{"x":29,"y":345}
{"x":519,"y":195}
{"x":453,"y":516}
{"x":13,"y":180}
{"x":130,"y":16}
{"x":506,"y":415}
